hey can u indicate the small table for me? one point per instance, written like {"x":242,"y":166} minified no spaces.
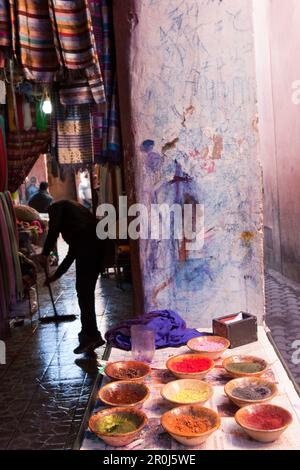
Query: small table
{"x":229,"y":436}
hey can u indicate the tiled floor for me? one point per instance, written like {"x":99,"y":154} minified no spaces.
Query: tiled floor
{"x":283,"y":317}
{"x":43,"y":391}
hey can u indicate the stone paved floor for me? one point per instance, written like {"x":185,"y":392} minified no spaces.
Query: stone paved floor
{"x":43,"y":392}
{"x":283,"y":316}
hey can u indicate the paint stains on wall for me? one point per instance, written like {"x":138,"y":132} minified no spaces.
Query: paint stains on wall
{"x":247,"y":238}
{"x":198,"y":84}
{"x":169,"y":145}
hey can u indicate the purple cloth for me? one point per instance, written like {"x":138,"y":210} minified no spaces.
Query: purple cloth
{"x":170,"y":330}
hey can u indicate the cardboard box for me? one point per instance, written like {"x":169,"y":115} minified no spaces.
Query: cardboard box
{"x":238,"y":333}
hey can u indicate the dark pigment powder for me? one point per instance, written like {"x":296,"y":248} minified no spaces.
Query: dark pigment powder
{"x":252,"y":392}
{"x":129,"y":373}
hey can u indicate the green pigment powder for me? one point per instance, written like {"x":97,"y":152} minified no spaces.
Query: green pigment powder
{"x":246,"y":367}
{"x":117,"y":424}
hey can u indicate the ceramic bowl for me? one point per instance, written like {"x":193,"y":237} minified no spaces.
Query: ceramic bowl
{"x":170,"y":390}
{"x":245,"y":382}
{"x":110,"y":392}
{"x":133,"y":371}
{"x":236,"y":374}
{"x":246,"y":418}
{"x":188,"y":375}
{"x":118,"y":440}
{"x":190,"y":439}
{"x":201,"y":345}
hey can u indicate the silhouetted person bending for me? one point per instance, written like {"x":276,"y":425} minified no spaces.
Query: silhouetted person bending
{"x":78,"y":228}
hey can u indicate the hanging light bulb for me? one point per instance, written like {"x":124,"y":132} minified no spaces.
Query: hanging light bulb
{"x":47,"y":105}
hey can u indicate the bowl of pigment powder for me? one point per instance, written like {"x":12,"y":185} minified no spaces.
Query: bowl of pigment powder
{"x":190,"y":366}
{"x":209,"y":346}
{"x":264,"y":423}
{"x":187,"y":392}
{"x":133,"y":371}
{"x":250,"y":390}
{"x":191,"y":425}
{"x":118,"y":426}
{"x":124,"y":393}
{"x":245,"y":366}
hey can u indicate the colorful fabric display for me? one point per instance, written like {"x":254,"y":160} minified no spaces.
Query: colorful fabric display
{"x":23,"y":150}
{"x":32,"y":39}
{"x":106,"y":122}
{"x":76,"y":50}
{"x":72,"y":135}
{"x":5,"y":39}
{"x":11,"y":282}
{"x":13,"y":251}
{"x":3,"y":156}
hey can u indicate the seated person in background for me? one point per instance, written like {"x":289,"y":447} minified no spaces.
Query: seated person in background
{"x":42,"y":200}
{"x":32,"y":188}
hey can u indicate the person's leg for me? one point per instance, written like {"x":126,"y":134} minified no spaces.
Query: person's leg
{"x":86,"y":278}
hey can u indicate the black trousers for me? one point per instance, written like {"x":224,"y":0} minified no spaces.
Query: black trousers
{"x":88,"y":268}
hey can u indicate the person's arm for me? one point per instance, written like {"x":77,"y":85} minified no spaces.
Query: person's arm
{"x":63,"y":267}
{"x":55,"y":214}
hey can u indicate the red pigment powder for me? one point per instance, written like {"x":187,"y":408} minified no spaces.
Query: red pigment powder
{"x":192,"y":365}
{"x":265,"y":420}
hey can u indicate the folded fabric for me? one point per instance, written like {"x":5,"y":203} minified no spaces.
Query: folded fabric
{"x":170,"y":330}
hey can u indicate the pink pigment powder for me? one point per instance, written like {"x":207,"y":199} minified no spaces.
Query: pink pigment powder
{"x":208,"y":346}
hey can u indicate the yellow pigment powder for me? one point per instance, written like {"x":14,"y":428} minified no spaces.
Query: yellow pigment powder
{"x":190,"y":396}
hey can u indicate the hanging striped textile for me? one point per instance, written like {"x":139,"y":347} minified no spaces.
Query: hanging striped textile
{"x":71,"y":135}
{"x":76,"y":49}
{"x":5,"y":37}
{"x":14,"y":250}
{"x":6,"y":261}
{"x":106,"y":123}
{"x":33,"y":41}
{"x":3,"y":156}
{"x":24,"y":148}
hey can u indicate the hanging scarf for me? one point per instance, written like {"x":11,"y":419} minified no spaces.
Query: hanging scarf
{"x":72,"y":135}
{"x":106,"y":122}
{"x":76,"y":50}
{"x":53,"y":40}
{"x":5,"y":39}
{"x":33,"y":41}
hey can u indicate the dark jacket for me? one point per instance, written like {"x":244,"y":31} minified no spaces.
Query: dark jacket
{"x":41,"y":201}
{"x":78,"y":228}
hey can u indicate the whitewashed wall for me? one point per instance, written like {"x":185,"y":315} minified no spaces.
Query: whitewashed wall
{"x":193,"y":92}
